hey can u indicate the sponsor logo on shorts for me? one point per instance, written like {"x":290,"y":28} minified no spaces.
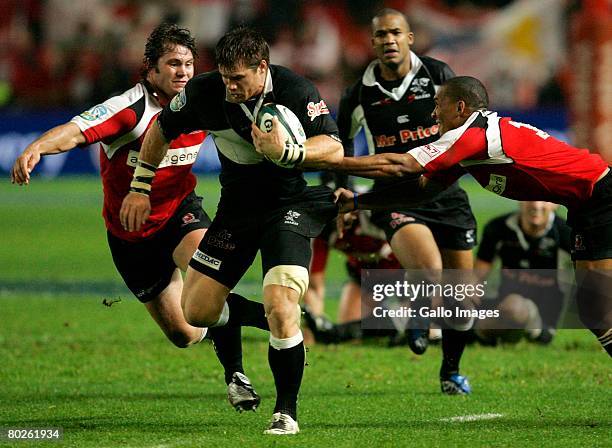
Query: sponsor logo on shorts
{"x":189,"y":218}
{"x":221,"y":239}
{"x":469,"y":236}
{"x":207,"y":260}
{"x":398,"y":219}
{"x":94,"y":113}
{"x":497,"y":184}
{"x":314,"y":110}
{"x":579,"y":242}
{"x":179,"y":101}
{"x":290,"y":218}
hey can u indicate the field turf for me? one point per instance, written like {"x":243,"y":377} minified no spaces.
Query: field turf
{"x":108,"y":377}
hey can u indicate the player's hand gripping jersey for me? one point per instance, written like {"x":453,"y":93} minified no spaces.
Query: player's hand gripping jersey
{"x":119,"y":124}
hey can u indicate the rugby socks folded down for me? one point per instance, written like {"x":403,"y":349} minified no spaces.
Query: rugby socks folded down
{"x":287,"y":358}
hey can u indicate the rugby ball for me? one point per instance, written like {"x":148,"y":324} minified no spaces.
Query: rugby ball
{"x":288,"y":121}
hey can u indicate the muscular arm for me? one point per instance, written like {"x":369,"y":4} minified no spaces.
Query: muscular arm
{"x":57,"y":140}
{"x":380,"y":165}
{"x":136,"y":207}
{"x":154,"y":146}
{"x":322,"y":151}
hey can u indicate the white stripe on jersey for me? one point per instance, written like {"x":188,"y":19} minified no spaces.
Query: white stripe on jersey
{"x":427,"y":153}
{"x":174,"y":157}
{"x":235,"y":148}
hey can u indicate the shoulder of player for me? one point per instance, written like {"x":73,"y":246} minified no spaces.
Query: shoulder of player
{"x":439,"y":70}
{"x":208,"y":84}
{"x":287,"y":82}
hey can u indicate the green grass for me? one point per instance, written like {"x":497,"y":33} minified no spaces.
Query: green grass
{"x":109,"y":378}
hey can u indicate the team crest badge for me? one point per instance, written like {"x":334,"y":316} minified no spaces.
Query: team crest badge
{"x":94,"y":113}
{"x":189,"y":218}
{"x":178,"y":101}
{"x":579,"y":242}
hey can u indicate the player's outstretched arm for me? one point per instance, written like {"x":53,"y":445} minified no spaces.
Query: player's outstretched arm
{"x":380,"y":165}
{"x":404,"y":194}
{"x":60,"y":139}
{"x":136,"y":206}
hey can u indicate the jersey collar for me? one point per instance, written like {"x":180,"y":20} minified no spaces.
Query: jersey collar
{"x":369,"y":78}
{"x":267,"y":89}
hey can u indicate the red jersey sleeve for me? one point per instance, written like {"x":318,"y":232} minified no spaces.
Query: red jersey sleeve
{"x":466,"y":142}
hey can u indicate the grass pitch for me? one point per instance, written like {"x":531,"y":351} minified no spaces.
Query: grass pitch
{"x":108,"y":377}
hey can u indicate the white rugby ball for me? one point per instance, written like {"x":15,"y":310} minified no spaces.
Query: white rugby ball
{"x":288,"y":121}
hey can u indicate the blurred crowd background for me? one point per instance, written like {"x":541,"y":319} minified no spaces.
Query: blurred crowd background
{"x":72,"y":54}
{"x":545,"y":62}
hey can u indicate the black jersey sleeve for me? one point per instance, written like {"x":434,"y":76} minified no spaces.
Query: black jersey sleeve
{"x":438,"y":70}
{"x":303,"y":98}
{"x":487,"y":249}
{"x":186,"y":112}
{"x":348,"y":125}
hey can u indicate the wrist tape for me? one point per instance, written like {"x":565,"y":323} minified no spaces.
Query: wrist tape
{"x":293,"y":154}
{"x":143,"y":177}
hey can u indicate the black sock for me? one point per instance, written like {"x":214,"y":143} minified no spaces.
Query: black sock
{"x":246,"y":313}
{"x":228,"y":347}
{"x":287,"y":367}
{"x":453,"y":343}
{"x":605,"y":340}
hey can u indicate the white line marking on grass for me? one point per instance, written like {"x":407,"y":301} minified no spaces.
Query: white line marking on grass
{"x":471,"y":418}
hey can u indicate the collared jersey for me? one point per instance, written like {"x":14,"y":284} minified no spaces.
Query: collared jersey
{"x":396,"y":117}
{"x":512,"y":159}
{"x":120,"y":124}
{"x":540,"y":259}
{"x":247,"y":178}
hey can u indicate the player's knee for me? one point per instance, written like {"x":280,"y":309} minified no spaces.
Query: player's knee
{"x":291,"y":276}
{"x":198,"y":315}
{"x":180,"y":339}
{"x":517,"y":310}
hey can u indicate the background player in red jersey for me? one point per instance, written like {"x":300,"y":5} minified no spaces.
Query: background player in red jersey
{"x":149,"y":259}
{"x":514,"y":160}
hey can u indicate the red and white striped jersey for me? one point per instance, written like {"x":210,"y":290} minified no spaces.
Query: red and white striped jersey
{"x":120,"y":124}
{"x":512,"y":159}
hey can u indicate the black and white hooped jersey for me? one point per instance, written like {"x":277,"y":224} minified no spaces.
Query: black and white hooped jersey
{"x":246,"y":176}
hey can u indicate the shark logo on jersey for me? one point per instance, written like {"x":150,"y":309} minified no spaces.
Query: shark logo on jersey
{"x":94,"y":113}
{"x":178,"y":101}
{"x":290,"y":218}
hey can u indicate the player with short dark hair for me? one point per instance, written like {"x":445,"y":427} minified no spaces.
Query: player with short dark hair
{"x":264,"y":206}
{"x":393,"y":102}
{"x":515,"y":160}
{"x":533,"y":238}
{"x":150,"y":259}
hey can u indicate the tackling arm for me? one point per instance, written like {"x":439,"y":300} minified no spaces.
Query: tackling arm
{"x":380,"y":165}
{"x":403,"y":194}
{"x":136,"y":206}
{"x":57,"y":140}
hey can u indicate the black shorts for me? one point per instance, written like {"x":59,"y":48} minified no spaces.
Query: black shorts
{"x":282,"y":234}
{"x":449,"y":217}
{"x":591,"y":224}
{"x":147,"y":266}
